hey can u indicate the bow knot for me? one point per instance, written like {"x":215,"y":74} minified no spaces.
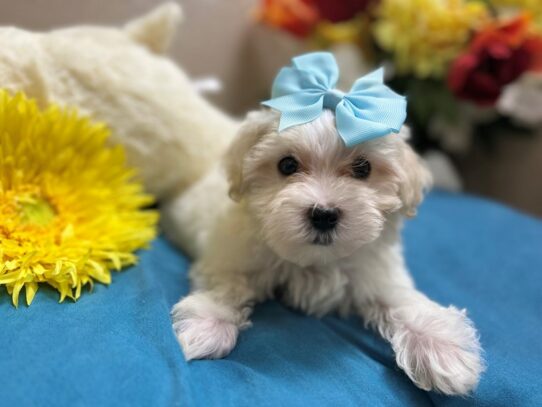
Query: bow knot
{"x":302,"y":91}
{"x":332,"y":97}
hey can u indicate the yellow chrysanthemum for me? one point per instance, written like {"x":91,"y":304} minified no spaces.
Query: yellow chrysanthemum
{"x":69,"y":208}
{"x":425,"y":35}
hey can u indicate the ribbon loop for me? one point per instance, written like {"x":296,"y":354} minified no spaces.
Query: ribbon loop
{"x":302,"y":91}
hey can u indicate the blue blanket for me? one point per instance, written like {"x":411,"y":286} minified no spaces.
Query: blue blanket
{"x":115,"y":346}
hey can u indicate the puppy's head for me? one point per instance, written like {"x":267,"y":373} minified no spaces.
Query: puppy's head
{"x":315,"y":199}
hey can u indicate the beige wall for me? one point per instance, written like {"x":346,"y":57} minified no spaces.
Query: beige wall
{"x":511,"y":172}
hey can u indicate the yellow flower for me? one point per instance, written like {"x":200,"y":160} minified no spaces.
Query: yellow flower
{"x":424,"y":36}
{"x":69,"y":208}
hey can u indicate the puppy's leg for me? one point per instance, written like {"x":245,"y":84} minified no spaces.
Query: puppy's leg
{"x":207,"y":322}
{"x":436,"y":346}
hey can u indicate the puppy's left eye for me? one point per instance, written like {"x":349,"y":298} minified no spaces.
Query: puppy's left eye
{"x":288,"y":165}
{"x":361,"y":168}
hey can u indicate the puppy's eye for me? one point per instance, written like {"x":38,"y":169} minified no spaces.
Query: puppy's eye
{"x":361,"y":168}
{"x":288,"y":165}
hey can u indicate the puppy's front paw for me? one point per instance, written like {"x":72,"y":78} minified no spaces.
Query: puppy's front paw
{"x":207,"y":338}
{"x":439,"y":350}
{"x":202,"y":328}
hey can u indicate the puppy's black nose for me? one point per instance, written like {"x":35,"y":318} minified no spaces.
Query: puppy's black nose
{"x":324,"y":219}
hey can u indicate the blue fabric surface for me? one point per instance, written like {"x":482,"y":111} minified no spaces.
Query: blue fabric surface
{"x":115,"y":346}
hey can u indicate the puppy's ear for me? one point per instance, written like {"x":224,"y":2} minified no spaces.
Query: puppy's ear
{"x":255,"y":126}
{"x":414,"y":177}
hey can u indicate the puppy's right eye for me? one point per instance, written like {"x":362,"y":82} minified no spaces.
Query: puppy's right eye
{"x":288,"y":165}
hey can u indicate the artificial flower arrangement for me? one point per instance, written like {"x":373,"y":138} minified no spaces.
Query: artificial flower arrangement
{"x":467,"y":67}
{"x":70,"y":209}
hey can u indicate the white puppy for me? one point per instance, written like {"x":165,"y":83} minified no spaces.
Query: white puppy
{"x":322,"y":222}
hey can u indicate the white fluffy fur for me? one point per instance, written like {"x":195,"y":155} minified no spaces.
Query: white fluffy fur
{"x":204,"y":327}
{"x":119,"y":76}
{"x":248,"y":246}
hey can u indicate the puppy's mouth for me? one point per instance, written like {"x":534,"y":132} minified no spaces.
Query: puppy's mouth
{"x":323,"y":239}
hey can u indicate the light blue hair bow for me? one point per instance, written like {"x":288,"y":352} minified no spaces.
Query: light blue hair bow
{"x":302,"y":91}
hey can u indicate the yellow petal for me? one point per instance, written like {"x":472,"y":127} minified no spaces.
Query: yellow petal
{"x":65,"y":291}
{"x":31,"y":289}
{"x":99,"y":272}
{"x":67,"y":233}
{"x":78,"y":290}
{"x":9,"y":278}
{"x":116,"y":260}
{"x":15,"y":293}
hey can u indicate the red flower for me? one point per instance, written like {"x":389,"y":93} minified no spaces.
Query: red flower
{"x":342,"y":10}
{"x":295,"y":16}
{"x":299,"y":17}
{"x":498,"y":55}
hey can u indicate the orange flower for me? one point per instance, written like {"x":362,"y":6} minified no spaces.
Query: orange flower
{"x":298,"y":17}
{"x":512,"y":33}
